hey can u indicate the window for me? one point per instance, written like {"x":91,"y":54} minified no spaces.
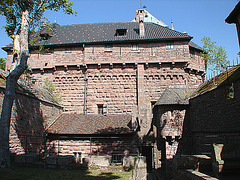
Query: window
{"x":100,"y":108}
{"x":68,"y":50}
{"x":121,"y":32}
{"x":192,"y":54}
{"x":169,"y":45}
{"x":108,"y":48}
{"x":134,"y":47}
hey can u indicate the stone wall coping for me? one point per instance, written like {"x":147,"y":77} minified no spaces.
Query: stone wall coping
{"x":195,"y":175}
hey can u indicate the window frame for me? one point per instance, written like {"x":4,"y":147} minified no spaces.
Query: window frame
{"x":170,"y":45}
{"x":134,"y":47}
{"x":108,"y":48}
{"x":100,"y":109}
{"x":121,"y":32}
{"x":192,"y":54}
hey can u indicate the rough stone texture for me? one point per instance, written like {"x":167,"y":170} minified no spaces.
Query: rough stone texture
{"x":59,"y":160}
{"x":112,"y":76}
{"x":169,"y":120}
{"x":102,"y":161}
{"x":128,"y":162}
{"x":85,"y":147}
{"x":215,"y":119}
{"x":189,"y":174}
{"x":125,"y":81}
{"x":140,"y":169}
{"x":121,"y":79}
{"x":30,"y":116}
{"x":27,"y":158}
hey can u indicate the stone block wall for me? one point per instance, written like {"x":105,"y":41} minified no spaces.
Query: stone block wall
{"x":215,"y":119}
{"x":116,"y":86}
{"x":92,"y":146}
{"x":121,"y":53}
{"x":112,"y":77}
{"x":30,"y":117}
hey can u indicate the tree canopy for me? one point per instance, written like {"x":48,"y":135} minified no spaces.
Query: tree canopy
{"x":12,"y":10}
{"x":215,"y":57}
{"x":2,"y":63}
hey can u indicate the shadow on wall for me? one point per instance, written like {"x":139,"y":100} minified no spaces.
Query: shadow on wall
{"x":115,"y":146}
{"x":107,"y":141}
{"x":27,"y":124}
{"x":172,"y":125}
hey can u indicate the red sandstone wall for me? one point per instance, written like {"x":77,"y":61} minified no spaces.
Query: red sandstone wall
{"x":30,"y":117}
{"x":92,"y":146}
{"x":121,"y":53}
{"x":215,"y":119}
{"x":112,"y":76}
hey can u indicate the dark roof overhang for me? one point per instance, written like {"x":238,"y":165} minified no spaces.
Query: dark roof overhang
{"x":232,"y":17}
{"x":10,"y":46}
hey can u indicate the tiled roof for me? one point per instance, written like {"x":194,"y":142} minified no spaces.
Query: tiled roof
{"x":106,"y":33}
{"x":193,"y":45}
{"x":91,"y":124}
{"x":175,"y":96}
{"x":231,"y":75}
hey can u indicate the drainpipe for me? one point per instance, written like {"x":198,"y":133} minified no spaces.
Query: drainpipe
{"x":85,"y":83}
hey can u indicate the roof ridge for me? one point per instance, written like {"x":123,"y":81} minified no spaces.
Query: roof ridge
{"x":100,"y":23}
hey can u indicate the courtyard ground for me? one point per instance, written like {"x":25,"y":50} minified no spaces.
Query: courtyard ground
{"x":26,"y":173}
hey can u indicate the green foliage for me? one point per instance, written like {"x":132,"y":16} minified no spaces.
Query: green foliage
{"x":215,"y":57}
{"x":26,"y":80}
{"x":12,"y":10}
{"x":49,"y":87}
{"x":61,"y":174}
{"x":2,"y":63}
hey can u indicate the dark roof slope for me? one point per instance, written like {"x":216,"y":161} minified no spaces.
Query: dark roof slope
{"x":106,"y":33}
{"x":172,"y":96}
{"x":193,"y":45}
{"x":91,"y":124}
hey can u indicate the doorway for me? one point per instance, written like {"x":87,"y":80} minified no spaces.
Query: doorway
{"x":147,"y":151}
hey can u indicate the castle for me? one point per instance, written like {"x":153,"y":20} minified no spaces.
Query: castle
{"x":110,"y":75}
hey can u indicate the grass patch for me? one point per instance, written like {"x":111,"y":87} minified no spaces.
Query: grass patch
{"x":17,"y":173}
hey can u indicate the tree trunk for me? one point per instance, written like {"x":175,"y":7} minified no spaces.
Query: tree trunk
{"x":9,"y":96}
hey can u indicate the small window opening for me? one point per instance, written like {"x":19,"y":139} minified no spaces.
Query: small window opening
{"x":68,"y":50}
{"x":45,"y":36}
{"x":121,"y":32}
{"x":169,"y":45}
{"x":108,"y":48}
{"x":46,"y":64}
{"x":134,"y":47}
{"x":100,"y":108}
{"x":192,"y":54}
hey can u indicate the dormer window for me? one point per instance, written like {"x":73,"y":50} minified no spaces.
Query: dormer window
{"x":121,"y":32}
{"x":45,"y":36}
{"x":192,"y":53}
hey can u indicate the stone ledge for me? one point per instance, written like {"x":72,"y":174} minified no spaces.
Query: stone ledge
{"x":189,"y":174}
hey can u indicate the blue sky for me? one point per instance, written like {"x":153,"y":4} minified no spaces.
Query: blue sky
{"x":198,"y":18}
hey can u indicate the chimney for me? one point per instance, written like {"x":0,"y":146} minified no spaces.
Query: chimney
{"x":140,"y":20}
